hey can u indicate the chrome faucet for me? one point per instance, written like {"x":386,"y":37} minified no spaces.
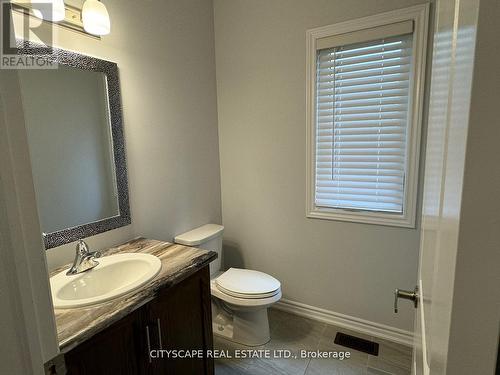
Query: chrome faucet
{"x":84,"y":259}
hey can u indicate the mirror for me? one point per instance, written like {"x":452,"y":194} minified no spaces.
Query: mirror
{"x":75,"y":136}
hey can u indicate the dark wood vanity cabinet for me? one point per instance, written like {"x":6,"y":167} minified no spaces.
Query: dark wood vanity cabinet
{"x":178,"y":319}
{"x":186,"y":328}
{"x":112,"y":351}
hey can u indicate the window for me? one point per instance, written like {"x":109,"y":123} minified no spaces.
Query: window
{"x":361,"y":122}
{"x":364,"y":118}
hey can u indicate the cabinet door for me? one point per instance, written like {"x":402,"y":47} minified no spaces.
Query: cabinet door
{"x":182,"y":320}
{"x":115,"y":350}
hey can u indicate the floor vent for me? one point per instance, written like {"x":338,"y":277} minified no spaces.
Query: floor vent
{"x":356,"y":343}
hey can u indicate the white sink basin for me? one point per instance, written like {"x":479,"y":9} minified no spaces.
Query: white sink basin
{"x":115,"y":276}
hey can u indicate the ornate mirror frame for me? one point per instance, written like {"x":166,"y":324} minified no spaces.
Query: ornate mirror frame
{"x":110,"y":70}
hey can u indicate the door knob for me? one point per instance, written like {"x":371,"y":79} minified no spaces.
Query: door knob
{"x":406,"y":294}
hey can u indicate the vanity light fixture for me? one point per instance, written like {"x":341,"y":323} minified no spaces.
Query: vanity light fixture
{"x":49,"y":10}
{"x":92,"y":19}
{"x":95,"y":18}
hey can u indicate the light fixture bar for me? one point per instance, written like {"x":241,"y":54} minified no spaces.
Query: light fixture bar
{"x":72,"y":20}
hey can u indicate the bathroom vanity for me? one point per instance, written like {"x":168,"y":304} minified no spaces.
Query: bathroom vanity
{"x":172,"y":312}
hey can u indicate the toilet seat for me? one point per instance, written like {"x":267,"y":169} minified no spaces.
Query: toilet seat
{"x":243,"y":283}
{"x":243,"y":302}
{"x":243,"y":287}
{"x":247,"y":296}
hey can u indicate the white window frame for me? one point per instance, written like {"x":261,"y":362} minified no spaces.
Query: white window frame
{"x":419,"y":14}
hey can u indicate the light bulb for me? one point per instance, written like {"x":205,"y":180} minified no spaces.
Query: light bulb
{"x":48,"y":10}
{"x":95,"y":18}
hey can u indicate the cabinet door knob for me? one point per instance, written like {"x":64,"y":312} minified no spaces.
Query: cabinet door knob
{"x":149,"y":344}
{"x":411,"y":295}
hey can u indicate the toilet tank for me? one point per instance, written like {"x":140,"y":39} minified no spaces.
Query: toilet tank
{"x":207,"y":237}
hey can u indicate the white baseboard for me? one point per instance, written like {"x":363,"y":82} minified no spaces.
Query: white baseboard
{"x":346,"y":321}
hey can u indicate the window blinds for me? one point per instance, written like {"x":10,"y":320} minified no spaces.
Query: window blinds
{"x":362,"y":95}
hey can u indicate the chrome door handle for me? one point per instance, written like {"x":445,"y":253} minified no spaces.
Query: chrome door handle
{"x":149,"y":344}
{"x":406,"y":294}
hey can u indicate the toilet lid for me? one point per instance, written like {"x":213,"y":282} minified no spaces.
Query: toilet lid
{"x":247,"y":283}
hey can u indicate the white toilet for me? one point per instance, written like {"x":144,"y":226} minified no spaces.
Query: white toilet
{"x":240,"y":297}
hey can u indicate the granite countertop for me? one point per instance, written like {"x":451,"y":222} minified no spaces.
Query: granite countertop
{"x":178,"y":262}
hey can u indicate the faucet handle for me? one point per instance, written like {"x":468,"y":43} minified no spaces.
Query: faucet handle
{"x":82,"y":247}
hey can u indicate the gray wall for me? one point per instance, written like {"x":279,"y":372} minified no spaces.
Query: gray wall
{"x":170,"y":106}
{"x":70,"y":146}
{"x":165,"y":55}
{"x":345,"y":267}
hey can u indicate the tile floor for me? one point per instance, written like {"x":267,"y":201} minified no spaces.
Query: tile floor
{"x":294,"y":333}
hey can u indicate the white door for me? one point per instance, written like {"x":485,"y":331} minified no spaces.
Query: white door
{"x":452,"y":67}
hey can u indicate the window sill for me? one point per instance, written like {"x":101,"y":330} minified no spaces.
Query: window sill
{"x":363,"y":217}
